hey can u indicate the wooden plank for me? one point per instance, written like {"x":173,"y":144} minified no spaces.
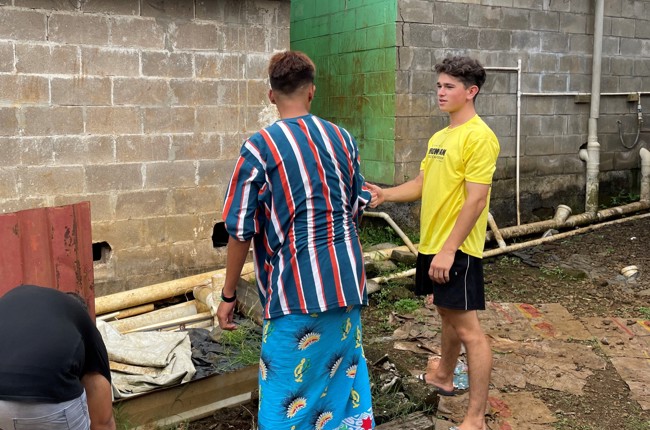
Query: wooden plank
{"x":414,"y":421}
{"x":190,"y":401}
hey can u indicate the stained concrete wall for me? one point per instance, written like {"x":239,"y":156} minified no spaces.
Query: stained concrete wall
{"x":554,"y":41}
{"x":139,"y":107}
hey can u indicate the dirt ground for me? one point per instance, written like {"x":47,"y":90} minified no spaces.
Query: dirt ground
{"x":580,"y":274}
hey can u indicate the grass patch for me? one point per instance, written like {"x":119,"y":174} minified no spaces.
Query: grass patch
{"x":242,"y":346}
{"x":372,"y":234}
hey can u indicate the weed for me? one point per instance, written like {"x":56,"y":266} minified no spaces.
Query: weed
{"x":242,"y":346}
{"x":622,"y":198}
{"x":555,"y":272}
{"x":509,"y":261}
{"x":644,"y":311}
{"x":407,"y":306}
{"x":370,"y":234}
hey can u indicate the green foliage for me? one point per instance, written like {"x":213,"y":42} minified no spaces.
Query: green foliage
{"x":622,"y":198}
{"x":507,"y":261}
{"x":372,"y":234}
{"x":644,"y":311}
{"x":554,"y":272}
{"x":407,"y":306}
{"x":242,"y":346}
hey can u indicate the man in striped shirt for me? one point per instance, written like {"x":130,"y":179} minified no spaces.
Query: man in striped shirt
{"x":297,"y":193}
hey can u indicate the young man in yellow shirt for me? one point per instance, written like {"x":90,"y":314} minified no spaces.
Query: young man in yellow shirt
{"x":454,"y":184}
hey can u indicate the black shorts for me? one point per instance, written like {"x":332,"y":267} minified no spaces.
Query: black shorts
{"x":465,"y":289}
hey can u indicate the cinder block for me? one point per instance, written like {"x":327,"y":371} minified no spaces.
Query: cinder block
{"x":20,"y":89}
{"x":549,"y":165}
{"x":573,"y":23}
{"x":192,"y":92}
{"x":623,"y":27}
{"x":134,"y":262}
{"x":136,"y":32}
{"x":184,"y":199}
{"x":555,"y":42}
{"x":81,"y":91}
{"x":47,"y":59}
{"x":256,"y":66}
{"x":641,"y":67}
{"x":257,"y":92}
{"x":109,"y":62}
{"x":64,"y":5}
{"x":101,"y":205}
{"x":556,"y":82}
{"x":220,"y":65}
{"x":450,"y":14}
{"x":50,"y":180}
{"x":10,"y":148}
{"x":83,"y":150}
{"x":494,"y":39}
{"x":6,"y":57}
{"x":134,"y":204}
{"x":78,"y":29}
{"x":141,"y":92}
{"x":113,"y":177}
{"x":226,"y":11}
{"x":554,"y":125}
{"x":173,"y":65}
{"x":461,"y":38}
{"x":8,"y":185}
{"x":197,"y":146}
{"x":37,"y":151}
{"x":485,"y":16}
{"x":183,"y":9}
{"x":544,"y":20}
{"x":423,"y":35}
{"x":169,"y":120}
{"x":17,"y":24}
{"x":51,"y":121}
{"x":213,"y":172}
{"x":571,"y":163}
{"x":112,"y":7}
{"x":113,"y":120}
{"x":193,"y":35}
{"x":8,"y":121}
{"x":416,"y":11}
{"x":170,"y":174}
{"x":234,"y":39}
{"x":141,"y":148}
{"x":218,"y":119}
{"x":120,"y":234}
{"x":181,"y":227}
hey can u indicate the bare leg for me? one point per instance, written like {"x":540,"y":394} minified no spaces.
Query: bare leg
{"x":479,"y":361}
{"x":443,"y":374}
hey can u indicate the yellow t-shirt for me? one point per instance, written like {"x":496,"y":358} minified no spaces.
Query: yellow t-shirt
{"x":465,"y":153}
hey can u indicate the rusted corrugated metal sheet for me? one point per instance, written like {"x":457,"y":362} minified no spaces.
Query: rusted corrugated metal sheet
{"x":50,"y":247}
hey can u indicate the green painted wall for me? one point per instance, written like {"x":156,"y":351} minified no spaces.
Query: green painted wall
{"x":353,"y":44}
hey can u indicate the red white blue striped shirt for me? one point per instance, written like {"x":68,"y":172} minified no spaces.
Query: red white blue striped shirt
{"x":297,"y":192}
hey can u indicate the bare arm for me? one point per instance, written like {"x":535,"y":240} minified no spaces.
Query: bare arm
{"x":476,"y":201}
{"x":100,"y":401}
{"x":409,"y":191}
{"x":237,"y":253}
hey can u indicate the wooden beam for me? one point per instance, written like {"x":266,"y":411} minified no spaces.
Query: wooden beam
{"x":190,"y":401}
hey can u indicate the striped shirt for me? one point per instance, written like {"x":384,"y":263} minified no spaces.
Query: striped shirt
{"x":297,"y":192}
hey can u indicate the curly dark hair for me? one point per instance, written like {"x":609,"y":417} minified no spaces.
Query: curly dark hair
{"x":468,"y":70}
{"x":290,"y":70}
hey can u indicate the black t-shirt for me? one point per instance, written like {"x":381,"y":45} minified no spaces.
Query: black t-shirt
{"x":47,"y":343}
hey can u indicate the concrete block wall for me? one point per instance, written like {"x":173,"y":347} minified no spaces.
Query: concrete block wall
{"x":554,"y":41}
{"x":139,"y":107}
{"x":352,"y":44}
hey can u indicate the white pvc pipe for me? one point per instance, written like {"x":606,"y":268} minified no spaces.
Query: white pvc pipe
{"x":573,"y":93}
{"x":389,"y":220}
{"x":645,"y":175}
{"x":593,"y":147}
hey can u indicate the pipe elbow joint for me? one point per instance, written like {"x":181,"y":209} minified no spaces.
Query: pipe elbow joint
{"x":583,"y":154}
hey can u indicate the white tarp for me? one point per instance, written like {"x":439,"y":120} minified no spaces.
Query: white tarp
{"x":146,"y":360}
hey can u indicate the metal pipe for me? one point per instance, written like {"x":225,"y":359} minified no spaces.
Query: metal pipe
{"x":593,"y":147}
{"x":389,"y":220}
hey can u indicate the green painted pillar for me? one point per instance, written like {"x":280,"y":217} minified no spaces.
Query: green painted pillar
{"x":353,"y":44}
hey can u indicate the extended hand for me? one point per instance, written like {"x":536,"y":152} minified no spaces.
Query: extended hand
{"x":377,"y":195}
{"x":225,"y":315}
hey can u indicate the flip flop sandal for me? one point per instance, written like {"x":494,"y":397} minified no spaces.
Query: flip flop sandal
{"x":423,"y":377}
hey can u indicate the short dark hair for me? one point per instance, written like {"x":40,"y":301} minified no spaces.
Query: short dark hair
{"x":290,"y":70}
{"x":468,"y":70}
